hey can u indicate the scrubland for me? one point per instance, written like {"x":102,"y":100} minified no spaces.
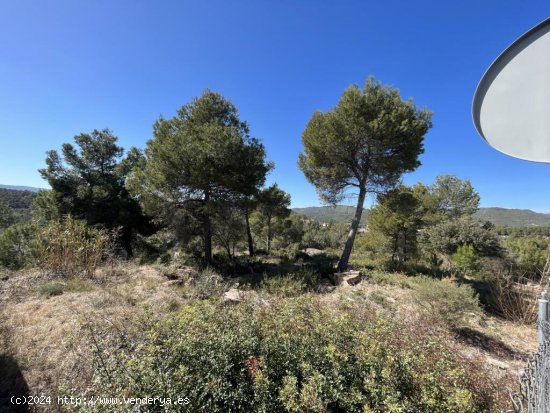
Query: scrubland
{"x":291,"y":341}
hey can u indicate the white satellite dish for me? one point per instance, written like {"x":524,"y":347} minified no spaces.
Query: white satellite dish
{"x":511,"y":107}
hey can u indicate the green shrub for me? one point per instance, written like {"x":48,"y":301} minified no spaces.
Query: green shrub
{"x":207,"y":283}
{"x":446,"y":301}
{"x":289,"y":252}
{"x":530,"y":253}
{"x":6,"y":215}
{"x":389,"y":278}
{"x":368,"y":250}
{"x":285,"y":286}
{"x":380,"y":299}
{"x":51,"y":289}
{"x":54,"y":288}
{"x":71,"y":248}
{"x":293,"y":355}
{"x":19,"y":247}
{"x":465,"y":260}
{"x":293,"y":281}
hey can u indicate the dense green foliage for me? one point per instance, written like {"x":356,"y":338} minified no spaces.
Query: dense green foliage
{"x":17,"y":199}
{"x":531,"y":253}
{"x":88,"y":182}
{"x":293,"y":355}
{"x":447,"y":236}
{"x":6,"y":216}
{"x":18,"y":203}
{"x":428,"y":225}
{"x":19,"y":246}
{"x":455,"y":197}
{"x":365,"y":143}
{"x":465,"y":259}
{"x":272,"y":204}
{"x":397,"y":218}
{"x":202,"y":157}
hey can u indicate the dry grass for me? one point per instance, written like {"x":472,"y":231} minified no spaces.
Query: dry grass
{"x":45,"y":335}
{"x":515,"y":298}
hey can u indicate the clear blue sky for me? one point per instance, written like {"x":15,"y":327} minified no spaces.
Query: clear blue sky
{"x":71,"y":66}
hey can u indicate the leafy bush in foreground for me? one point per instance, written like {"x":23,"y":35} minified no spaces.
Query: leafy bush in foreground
{"x":293,"y":355}
{"x":444,"y":300}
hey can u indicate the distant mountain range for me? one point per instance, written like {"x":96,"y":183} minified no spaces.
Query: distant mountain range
{"x":513,"y":217}
{"x":21,"y":188}
{"x":498,"y":216}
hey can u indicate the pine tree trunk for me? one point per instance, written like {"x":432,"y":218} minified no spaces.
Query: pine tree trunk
{"x":249,"y":233}
{"x":127,"y":242}
{"x":343,"y":263}
{"x":207,"y":231}
{"x":228,"y":249}
{"x":268,"y":236}
{"x":394,"y":254}
{"x":207,"y":241}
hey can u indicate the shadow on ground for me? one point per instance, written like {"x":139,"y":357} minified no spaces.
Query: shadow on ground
{"x":492,"y":345}
{"x":12,"y":384}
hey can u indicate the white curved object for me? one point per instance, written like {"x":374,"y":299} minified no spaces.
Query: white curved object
{"x":511,"y":107}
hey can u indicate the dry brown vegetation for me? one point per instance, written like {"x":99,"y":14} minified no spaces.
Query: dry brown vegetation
{"x":44,"y":333}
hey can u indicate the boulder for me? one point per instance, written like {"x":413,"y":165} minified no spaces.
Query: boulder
{"x":233,"y":295}
{"x":326,"y":288}
{"x":348,"y":278}
{"x":312,"y":252}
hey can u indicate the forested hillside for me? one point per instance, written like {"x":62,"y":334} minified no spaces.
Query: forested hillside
{"x":501,"y":217}
{"x":513,"y":217}
{"x":20,"y":188}
{"x":338,"y":214}
{"x":16,"y":199}
{"x":19,"y":202}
